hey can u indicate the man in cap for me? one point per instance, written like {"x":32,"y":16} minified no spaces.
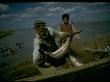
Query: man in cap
{"x":44,"y":41}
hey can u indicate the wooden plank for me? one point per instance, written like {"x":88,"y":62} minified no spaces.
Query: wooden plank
{"x":95,"y":50}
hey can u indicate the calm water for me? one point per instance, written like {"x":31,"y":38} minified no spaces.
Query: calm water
{"x":25,"y":36}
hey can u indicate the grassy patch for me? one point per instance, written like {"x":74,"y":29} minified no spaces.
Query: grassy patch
{"x":99,"y":42}
{"x":5,"y":33}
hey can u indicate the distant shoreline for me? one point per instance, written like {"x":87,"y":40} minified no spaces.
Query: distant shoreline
{"x":82,"y":23}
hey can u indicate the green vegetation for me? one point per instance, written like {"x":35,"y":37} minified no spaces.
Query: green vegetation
{"x":5,"y":33}
{"x":98,"y":42}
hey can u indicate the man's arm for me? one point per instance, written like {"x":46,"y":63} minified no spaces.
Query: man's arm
{"x":56,"y":33}
{"x":36,"y":48}
{"x":77,"y":37}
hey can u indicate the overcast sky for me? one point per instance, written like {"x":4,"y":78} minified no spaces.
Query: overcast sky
{"x":23,"y":15}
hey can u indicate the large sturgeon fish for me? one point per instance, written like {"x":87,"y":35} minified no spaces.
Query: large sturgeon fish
{"x":63,"y":49}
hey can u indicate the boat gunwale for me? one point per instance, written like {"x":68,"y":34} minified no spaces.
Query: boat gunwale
{"x":64,"y":72}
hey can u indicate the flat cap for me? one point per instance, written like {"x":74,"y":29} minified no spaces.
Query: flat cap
{"x":39,"y":22}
